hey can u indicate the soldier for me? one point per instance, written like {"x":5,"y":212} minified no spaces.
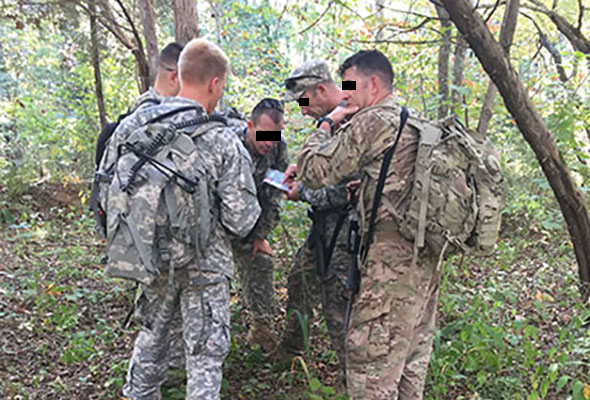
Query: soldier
{"x":253,"y":255}
{"x":312,"y":280}
{"x":200,"y":288}
{"x":389,"y":338}
{"x":166,"y":85}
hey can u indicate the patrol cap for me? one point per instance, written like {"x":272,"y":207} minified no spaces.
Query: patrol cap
{"x":308,"y":74}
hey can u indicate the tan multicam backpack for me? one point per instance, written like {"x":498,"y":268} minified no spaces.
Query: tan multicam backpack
{"x":458,"y":190}
{"x":158,"y":200}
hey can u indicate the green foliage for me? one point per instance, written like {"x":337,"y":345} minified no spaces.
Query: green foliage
{"x":487,"y":346}
{"x":503,"y":329}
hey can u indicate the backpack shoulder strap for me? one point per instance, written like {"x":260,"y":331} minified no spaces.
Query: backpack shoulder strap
{"x":380,"y":184}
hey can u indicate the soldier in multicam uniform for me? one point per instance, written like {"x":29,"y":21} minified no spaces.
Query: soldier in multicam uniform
{"x":201,"y":288}
{"x":330,"y":211}
{"x":253,"y":255}
{"x":389,"y":339}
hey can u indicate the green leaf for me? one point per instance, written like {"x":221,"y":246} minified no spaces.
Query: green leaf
{"x":329,"y":390}
{"x":315,"y":384}
{"x":577,"y":390}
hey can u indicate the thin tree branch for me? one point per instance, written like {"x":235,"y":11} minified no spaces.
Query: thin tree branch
{"x":494,"y":8}
{"x":407,"y":12}
{"x":544,"y":42}
{"x":577,"y":39}
{"x":580,"y":14}
{"x":506,"y":36}
{"x":314,"y":23}
{"x":407,"y":42}
{"x":133,"y":28}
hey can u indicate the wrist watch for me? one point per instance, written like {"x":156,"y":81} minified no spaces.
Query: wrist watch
{"x":329,"y":120}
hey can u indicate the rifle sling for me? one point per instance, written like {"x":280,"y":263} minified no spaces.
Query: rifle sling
{"x":380,"y":184}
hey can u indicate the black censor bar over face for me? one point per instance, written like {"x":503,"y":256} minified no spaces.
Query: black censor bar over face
{"x":348,"y":85}
{"x":268,"y":136}
{"x":303,"y":101}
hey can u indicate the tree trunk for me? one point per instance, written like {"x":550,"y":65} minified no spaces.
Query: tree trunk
{"x":146,"y":13}
{"x":494,"y":61}
{"x":443,"y":62}
{"x":143,"y":70}
{"x":506,"y":35}
{"x":95,"y":54}
{"x":217,"y":13}
{"x":106,"y":17}
{"x":458,"y":68}
{"x":186,"y":22}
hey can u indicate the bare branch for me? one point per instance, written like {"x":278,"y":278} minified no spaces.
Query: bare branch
{"x":578,"y":41}
{"x":494,"y":8}
{"x":107,"y":20}
{"x":458,"y":69}
{"x":506,"y":35}
{"x":408,"y":12}
{"x":443,"y":62}
{"x":546,"y":43}
{"x":406,"y":42}
{"x":133,"y":28}
{"x":580,"y":14}
{"x":314,"y":23}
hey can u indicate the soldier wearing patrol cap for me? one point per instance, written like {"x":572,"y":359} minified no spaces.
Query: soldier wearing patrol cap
{"x":389,"y":338}
{"x":321,"y":264}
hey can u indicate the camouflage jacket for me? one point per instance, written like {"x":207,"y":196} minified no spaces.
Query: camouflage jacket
{"x":359,"y":145}
{"x":229,"y":171}
{"x":326,"y":198}
{"x":143,"y":99}
{"x":269,"y":197}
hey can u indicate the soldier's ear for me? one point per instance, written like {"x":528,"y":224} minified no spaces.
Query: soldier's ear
{"x":213,"y":82}
{"x":174,"y":77}
{"x":375,"y":83}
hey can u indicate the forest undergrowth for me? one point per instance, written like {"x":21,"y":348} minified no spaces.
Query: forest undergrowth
{"x":510,"y":326}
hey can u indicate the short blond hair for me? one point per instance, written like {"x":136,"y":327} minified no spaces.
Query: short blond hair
{"x":202,"y":60}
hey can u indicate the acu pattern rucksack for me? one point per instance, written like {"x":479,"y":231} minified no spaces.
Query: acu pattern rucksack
{"x":457,"y":193}
{"x":101,"y":143}
{"x":159,"y":200}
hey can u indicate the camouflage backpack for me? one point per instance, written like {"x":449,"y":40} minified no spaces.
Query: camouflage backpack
{"x":457,"y":193}
{"x":158,"y":200}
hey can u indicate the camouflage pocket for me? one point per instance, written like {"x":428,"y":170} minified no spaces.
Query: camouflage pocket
{"x":368,"y":341}
{"x":144,"y":310}
{"x":216,"y":332}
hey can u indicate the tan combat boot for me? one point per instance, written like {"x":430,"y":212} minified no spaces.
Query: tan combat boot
{"x":261,"y":334}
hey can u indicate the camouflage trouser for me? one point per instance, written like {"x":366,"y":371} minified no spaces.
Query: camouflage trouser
{"x":206,"y":334}
{"x":256,"y":277}
{"x":306,"y":290}
{"x":389,"y":339}
{"x":176,"y":352}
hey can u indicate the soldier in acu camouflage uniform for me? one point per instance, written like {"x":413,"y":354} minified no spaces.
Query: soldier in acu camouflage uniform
{"x":389,"y":338}
{"x":330,"y":211}
{"x":253,"y":254}
{"x":201,"y":288}
{"x":166,"y":85}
